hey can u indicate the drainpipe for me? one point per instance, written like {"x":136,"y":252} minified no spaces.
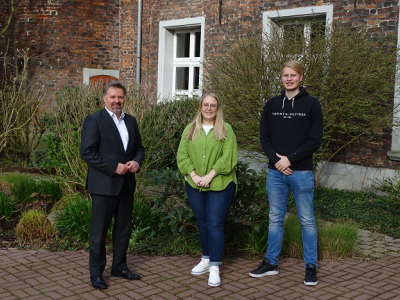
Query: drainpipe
{"x":220,"y":11}
{"x":139,"y":47}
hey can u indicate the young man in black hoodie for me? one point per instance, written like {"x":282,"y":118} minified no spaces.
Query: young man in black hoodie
{"x":290,"y":132}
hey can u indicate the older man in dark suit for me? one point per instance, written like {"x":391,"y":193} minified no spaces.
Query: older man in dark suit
{"x":112,"y":147}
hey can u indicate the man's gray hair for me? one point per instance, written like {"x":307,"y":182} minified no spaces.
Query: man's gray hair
{"x":115,"y":84}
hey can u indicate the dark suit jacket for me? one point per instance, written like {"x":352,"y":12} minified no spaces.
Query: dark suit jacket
{"x":102,"y":149}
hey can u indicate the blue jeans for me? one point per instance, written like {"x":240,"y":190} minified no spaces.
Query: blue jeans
{"x":210,"y":209}
{"x":278,"y":186}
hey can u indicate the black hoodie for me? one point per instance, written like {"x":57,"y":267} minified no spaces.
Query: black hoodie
{"x":292,"y":128}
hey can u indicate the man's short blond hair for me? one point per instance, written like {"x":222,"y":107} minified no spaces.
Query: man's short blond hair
{"x":294,"y":65}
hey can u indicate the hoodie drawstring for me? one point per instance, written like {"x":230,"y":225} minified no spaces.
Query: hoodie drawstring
{"x":283,"y":102}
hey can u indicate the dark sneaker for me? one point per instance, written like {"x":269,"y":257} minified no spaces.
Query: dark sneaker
{"x":265,"y":269}
{"x":311,"y":275}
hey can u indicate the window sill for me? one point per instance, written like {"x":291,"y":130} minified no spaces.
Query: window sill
{"x":394,"y":155}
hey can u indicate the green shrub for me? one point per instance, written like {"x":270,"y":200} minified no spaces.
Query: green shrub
{"x":75,"y":218}
{"x":161,"y":130}
{"x":390,"y":186}
{"x":248,"y":206}
{"x":74,"y":213}
{"x":39,"y":158}
{"x":34,"y":228}
{"x":7,"y":206}
{"x":143,"y":213}
{"x":27,"y":189}
{"x":250,"y":196}
{"x":174,"y":212}
{"x":257,"y":240}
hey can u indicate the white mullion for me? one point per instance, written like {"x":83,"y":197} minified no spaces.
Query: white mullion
{"x":192,"y":44}
{"x":191,"y":56}
{"x":307,"y":33}
{"x":174,"y":79}
{"x":190,"y":79}
{"x":174,"y":47}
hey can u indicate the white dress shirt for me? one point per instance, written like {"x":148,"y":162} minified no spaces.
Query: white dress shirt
{"x":120,"y":123}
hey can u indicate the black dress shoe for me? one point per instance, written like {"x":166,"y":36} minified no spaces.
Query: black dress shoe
{"x":98,"y":282}
{"x":125,"y":274}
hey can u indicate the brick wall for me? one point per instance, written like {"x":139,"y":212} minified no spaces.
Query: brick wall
{"x":65,"y":36}
{"x":237,"y":16}
{"x":7,"y":37}
{"x":5,"y":10}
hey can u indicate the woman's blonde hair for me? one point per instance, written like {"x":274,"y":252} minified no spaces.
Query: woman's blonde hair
{"x":220,"y":131}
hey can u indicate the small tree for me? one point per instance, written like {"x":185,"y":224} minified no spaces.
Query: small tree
{"x":20,"y":100}
{"x":349,"y":70}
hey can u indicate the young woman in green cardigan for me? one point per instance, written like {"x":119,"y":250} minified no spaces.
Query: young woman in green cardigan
{"x":207,"y":157}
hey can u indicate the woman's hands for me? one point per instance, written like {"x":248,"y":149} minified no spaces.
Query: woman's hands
{"x":203,"y":181}
{"x":196,"y":178}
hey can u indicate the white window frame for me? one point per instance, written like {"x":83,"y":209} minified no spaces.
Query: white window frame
{"x":191,"y":62}
{"x":307,"y":16}
{"x":273,"y":20}
{"x":166,"y":52}
{"x":270,"y":17}
{"x":394,"y":153}
{"x":307,"y":30}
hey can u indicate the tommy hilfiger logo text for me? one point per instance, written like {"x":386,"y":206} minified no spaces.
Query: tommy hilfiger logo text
{"x":289,"y":114}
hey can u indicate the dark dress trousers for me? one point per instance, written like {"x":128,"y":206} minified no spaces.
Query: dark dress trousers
{"x":112,"y":194}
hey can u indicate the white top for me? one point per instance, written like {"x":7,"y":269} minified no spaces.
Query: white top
{"x":120,"y":123}
{"x":207,"y":128}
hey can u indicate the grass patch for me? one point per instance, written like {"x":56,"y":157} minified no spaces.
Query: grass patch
{"x":292,"y":244}
{"x":26,"y":189}
{"x":334,"y":241}
{"x":7,"y":205}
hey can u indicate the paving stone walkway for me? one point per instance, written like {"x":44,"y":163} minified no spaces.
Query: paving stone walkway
{"x":41,"y":274}
{"x":373,"y":244}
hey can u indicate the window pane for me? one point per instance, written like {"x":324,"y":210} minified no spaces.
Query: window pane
{"x":182,"y":78}
{"x":317,"y":30}
{"x":182,"y":44}
{"x":293,"y":38}
{"x":197,"y":44}
{"x":196,"y":78}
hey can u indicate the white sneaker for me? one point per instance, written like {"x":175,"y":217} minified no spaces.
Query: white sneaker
{"x":202,"y":267}
{"x":213,"y":279}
